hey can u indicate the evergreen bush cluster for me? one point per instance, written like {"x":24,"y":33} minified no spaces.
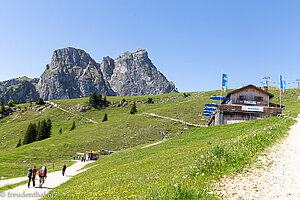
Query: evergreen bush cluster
{"x":97,"y":100}
{"x":104,"y":118}
{"x":73,"y":126}
{"x":133,"y":109}
{"x":38,"y":132}
{"x":40,"y":102}
{"x":11,"y":103}
{"x":2,"y":109}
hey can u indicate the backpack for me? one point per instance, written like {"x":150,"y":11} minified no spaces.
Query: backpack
{"x":43,"y":171}
{"x":64,"y":166}
{"x":30,"y":171}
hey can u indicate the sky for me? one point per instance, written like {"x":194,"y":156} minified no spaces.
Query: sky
{"x":191,"y":42}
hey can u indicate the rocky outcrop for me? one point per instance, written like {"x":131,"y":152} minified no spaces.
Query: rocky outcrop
{"x":72,"y":73}
{"x":134,"y":74}
{"x":21,"y":90}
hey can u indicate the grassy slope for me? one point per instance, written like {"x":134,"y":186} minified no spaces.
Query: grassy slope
{"x":121,"y":129}
{"x":154,"y":171}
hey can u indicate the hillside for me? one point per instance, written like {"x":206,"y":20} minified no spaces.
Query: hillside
{"x":122,"y":129}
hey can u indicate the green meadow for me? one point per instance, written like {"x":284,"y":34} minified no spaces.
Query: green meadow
{"x":170,"y":170}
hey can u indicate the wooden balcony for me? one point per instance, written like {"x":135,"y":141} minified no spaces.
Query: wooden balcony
{"x":238,"y":109}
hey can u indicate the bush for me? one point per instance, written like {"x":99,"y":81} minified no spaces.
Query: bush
{"x":11,"y":103}
{"x":40,"y":101}
{"x":133,"y":109}
{"x":105,"y":118}
{"x":2,"y":109}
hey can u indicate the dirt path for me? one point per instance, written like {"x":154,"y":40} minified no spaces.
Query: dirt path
{"x":53,"y":180}
{"x":278,"y":175}
{"x":150,"y":145}
{"x":177,"y":120}
{"x":57,"y":106}
{"x":12,"y":181}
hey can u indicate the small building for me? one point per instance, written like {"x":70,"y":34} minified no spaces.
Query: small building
{"x":92,"y":155}
{"x":246,"y":103}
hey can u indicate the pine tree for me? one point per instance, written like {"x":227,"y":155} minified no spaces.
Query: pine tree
{"x":33,"y":133}
{"x":2,"y":109}
{"x":105,"y":118}
{"x":19,"y":143}
{"x":40,"y":102}
{"x":29,"y":135}
{"x":42,"y":131}
{"x":73,"y":126}
{"x":49,"y":127}
{"x":94,"y":100}
{"x":11,"y":103}
{"x":133,"y":109}
{"x":100,"y":98}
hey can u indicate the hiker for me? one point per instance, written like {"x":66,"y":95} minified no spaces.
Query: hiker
{"x":29,"y":175}
{"x":63,"y":169}
{"x":82,"y":159}
{"x":42,"y":175}
{"x":33,"y":175}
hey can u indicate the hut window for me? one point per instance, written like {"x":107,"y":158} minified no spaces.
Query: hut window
{"x":241,"y":97}
{"x":258,"y":98}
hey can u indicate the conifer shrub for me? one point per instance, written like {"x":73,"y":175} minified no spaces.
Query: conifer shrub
{"x":105,"y":118}
{"x":73,"y":126}
{"x":133,"y":109}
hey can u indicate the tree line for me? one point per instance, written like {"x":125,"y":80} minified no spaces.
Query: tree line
{"x":98,"y":101}
{"x":36,"y":132}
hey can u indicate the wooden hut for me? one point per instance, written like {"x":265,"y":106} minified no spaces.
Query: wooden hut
{"x":246,"y":103}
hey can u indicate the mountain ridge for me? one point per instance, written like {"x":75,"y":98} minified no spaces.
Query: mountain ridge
{"x":73,"y":73}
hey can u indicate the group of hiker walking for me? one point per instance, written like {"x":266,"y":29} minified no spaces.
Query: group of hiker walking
{"x":42,"y":173}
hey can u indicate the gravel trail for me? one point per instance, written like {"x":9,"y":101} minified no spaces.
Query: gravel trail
{"x":67,"y":111}
{"x":275,"y":176}
{"x":177,"y":120}
{"x":53,"y":180}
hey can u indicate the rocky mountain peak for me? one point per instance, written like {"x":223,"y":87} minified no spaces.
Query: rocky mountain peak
{"x":68,"y":57}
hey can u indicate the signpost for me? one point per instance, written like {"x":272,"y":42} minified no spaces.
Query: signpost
{"x":24,"y":166}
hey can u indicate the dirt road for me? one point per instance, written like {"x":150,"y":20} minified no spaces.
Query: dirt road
{"x":278,"y":176}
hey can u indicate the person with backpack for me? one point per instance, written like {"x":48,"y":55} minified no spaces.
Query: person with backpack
{"x":33,"y":175}
{"x":42,"y":175}
{"x":29,"y":175}
{"x":63,"y":169}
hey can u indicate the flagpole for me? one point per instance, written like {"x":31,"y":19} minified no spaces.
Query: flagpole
{"x":221,"y":88}
{"x":280,"y":89}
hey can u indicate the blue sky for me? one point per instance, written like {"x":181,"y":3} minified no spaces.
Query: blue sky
{"x":190,"y":42}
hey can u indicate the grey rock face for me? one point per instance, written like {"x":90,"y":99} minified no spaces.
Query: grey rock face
{"x":21,"y":90}
{"x":134,"y":74}
{"x":72,"y":73}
